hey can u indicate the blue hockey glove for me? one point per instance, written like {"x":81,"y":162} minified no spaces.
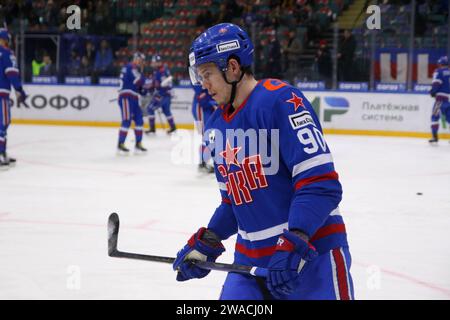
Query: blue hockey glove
{"x":204,"y":245}
{"x":21,"y":95}
{"x":155,"y":102}
{"x":286,"y":264}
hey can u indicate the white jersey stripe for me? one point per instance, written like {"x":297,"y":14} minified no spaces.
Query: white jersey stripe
{"x":443,"y":94}
{"x":346,"y":273}
{"x":11,"y":69}
{"x":263,"y":234}
{"x":129,"y":91}
{"x":335,"y":279}
{"x":311,"y":163}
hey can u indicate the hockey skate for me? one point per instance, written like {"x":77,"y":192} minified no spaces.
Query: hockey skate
{"x":150,"y":131}
{"x":6,"y":162}
{"x":122,"y":150}
{"x":434,"y":140}
{"x":171,"y":130}
{"x":139,"y":148}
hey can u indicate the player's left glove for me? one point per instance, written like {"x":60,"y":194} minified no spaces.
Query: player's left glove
{"x":204,"y":245}
{"x":286,"y":264}
{"x":21,"y":95}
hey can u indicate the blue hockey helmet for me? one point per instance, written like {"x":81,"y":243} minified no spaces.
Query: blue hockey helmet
{"x":217,"y":45}
{"x":138,"y":55}
{"x":4,"y":34}
{"x":156,"y":58}
{"x":443,"y":60}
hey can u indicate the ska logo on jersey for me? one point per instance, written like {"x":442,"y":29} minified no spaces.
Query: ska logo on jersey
{"x":249,"y":176}
{"x":300,"y":120}
{"x":296,"y":101}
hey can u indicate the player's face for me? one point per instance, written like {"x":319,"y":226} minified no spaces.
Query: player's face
{"x":212,"y":80}
{"x":139,"y":62}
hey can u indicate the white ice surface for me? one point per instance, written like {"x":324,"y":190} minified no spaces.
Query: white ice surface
{"x":54,"y":206}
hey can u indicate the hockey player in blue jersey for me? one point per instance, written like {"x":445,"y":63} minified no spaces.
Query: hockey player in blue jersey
{"x":279,"y":188}
{"x":130,"y":89}
{"x":203,"y":105}
{"x":9,"y":76}
{"x":440,"y":90}
{"x":162,"y":84}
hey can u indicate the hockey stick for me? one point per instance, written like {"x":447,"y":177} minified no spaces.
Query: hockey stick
{"x":163,"y":124}
{"x":113,"y":234}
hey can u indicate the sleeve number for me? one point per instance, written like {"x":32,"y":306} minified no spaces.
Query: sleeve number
{"x":312,"y":139}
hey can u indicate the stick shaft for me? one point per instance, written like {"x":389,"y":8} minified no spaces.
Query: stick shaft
{"x":256,"y":271}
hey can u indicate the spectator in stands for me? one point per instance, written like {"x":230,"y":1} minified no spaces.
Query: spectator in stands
{"x":48,"y":69}
{"x":248,"y":15}
{"x":37,"y":63}
{"x":292,"y":53}
{"x":89,"y":52}
{"x":273,"y":62}
{"x":85,"y":69}
{"x":74,"y":64}
{"x":103,"y":60}
{"x":205,"y":19}
{"x":50,"y":16}
{"x":345,"y":56}
{"x":229,"y":10}
{"x":324,"y":63}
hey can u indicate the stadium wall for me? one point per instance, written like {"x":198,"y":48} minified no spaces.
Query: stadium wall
{"x":360,"y":113}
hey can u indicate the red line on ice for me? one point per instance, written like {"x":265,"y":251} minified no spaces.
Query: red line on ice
{"x":4,"y":214}
{"x":411,"y":279}
{"x":98,"y":225}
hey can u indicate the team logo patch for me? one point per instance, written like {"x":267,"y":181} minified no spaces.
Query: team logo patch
{"x":300,"y":120}
{"x":297,"y":101}
{"x":228,"y":46}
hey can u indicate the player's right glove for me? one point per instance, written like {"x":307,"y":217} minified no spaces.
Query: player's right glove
{"x":204,"y":245}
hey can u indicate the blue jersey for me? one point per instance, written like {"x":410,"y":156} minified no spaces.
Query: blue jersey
{"x":131,"y":81}
{"x":162,"y":82}
{"x":203,"y":99}
{"x":280,"y":176}
{"x":9,"y":73}
{"x":441,"y":84}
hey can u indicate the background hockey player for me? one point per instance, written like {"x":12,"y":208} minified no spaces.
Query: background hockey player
{"x":203,"y":105}
{"x":162,"y":84}
{"x":286,"y":220}
{"x":131,"y":85}
{"x":9,"y":76}
{"x":440,"y":90}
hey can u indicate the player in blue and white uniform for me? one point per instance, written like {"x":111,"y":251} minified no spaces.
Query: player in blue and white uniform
{"x":203,"y":106}
{"x":440,"y":90}
{"x":162,"y":85}
{"x":130,"y":90}
{"x":279,"y":187}
{"x":9,"y":76}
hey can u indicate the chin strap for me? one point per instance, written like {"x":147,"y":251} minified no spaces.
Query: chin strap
{"x":233,"y":85}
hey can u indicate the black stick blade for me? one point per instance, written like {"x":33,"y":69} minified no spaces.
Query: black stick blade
{"x":113,"y":233}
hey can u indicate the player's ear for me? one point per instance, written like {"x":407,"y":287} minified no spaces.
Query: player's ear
{"x":234,"y":66}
